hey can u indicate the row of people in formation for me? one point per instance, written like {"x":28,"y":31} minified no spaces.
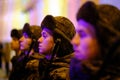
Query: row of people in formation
{"x":58,"y":50}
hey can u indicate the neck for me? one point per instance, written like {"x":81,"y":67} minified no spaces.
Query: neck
{"x":48,"y":56}
{"x":30,"y":53}
{"x":17,"y":52}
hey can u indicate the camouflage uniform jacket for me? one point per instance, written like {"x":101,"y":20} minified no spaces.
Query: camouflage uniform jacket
{"x":25,"y":68}
{"x":57,"y":70}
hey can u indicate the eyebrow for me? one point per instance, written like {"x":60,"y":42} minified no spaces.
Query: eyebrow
{"x":79,"y":31}
{"x":43,"y":32}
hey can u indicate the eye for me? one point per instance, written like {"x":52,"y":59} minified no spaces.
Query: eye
{"x":44,"y":34}
{"x":25,"y":35}
{"x":82,"y":34}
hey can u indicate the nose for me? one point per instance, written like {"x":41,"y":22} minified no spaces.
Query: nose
{"x":21,"y":39}
{"x":76,"y":40}
{"x":40,"y":39}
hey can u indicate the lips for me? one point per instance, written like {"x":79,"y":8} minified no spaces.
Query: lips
{"x":21,"y":44}
{"x":21,"y":47}
{"x":76,"y":51}
{"x":39,"y":46}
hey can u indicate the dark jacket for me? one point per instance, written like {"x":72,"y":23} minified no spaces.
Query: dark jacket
{"x":57,"y":70}
{"x":110,"y":69}
{"x":25,"y":68}
{"x":80,"y":70}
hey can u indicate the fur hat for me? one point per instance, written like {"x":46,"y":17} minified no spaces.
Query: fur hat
{"x":60,"y":25}
{"x":33,"y":31}
{"x":16,"y":33}
{"x":88,"y":12}
{"x":113,"y":17}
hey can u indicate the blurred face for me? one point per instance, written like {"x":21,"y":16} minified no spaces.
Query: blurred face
{"x":25,"y":42}
{"x":46,"y":42}
{"x":15,"y":44}
{"x":85,"y":42}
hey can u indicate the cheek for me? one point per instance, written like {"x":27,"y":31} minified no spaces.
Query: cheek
{"x":84,"y":49}
{"x":86,"y":45}
{"x":15,"y":44}
{"x":49,"y":45}
{"x":26,"y":44}
{"x":89,"y":47}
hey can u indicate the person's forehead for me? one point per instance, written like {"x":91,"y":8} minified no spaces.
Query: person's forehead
{"x":47,"y":30}
{"x":82,"y":24}
{"x":25,"y":34}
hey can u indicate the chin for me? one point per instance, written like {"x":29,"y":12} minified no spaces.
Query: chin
{"x":40,"y":52}
{"x":21,"y":48}
{"x":80,"y":57}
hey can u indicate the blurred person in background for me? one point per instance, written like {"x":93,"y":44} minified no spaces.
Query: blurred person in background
{"x":55,"y":45}
{"x":6,"y":57}
{"x":96,"y":43}
{"x":26,"y":67}
{"x":1,"y":53}
{"x":15,"y":35}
